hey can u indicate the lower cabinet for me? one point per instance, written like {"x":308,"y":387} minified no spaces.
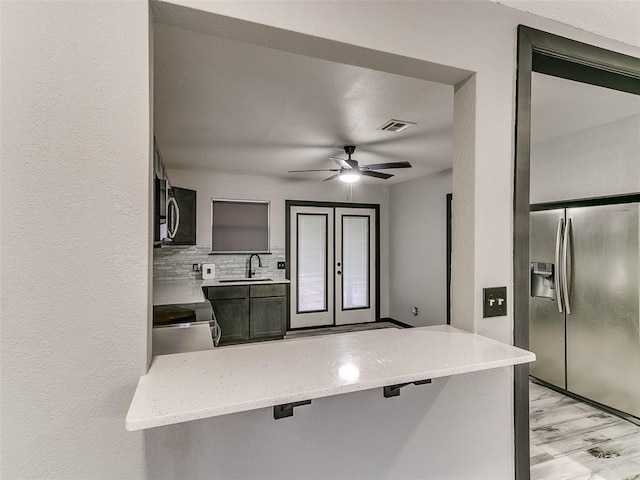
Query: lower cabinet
{"x":268,"y":317}
{"x":233,"y":318}
{"x":250,"y":313}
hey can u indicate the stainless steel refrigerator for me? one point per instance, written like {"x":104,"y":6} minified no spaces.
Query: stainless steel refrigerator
{"x":584,"y":320}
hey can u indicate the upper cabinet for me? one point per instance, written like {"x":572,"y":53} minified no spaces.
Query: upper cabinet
{"x":185,"y":233}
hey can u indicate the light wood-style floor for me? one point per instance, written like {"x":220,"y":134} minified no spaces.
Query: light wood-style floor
{"x":571,"y":440}
{"x":312,"y":332}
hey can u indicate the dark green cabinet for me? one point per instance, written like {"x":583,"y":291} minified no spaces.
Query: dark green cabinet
{"x":268,"y":317}
{"x":233,"y":317}
{"x":186,"y":200}
{"x":250,"y":313}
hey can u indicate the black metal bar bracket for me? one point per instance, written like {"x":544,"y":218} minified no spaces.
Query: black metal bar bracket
{"x":286,"y":409}
{"x":394,"y":390}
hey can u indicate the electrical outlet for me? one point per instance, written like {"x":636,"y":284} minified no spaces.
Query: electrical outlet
{"x":414,"y":311}
{"x":195,"y":267}
{"x":494,"y":302}
{"x":281,"y":266}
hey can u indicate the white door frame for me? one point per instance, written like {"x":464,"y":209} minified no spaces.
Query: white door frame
{"x":375,"y":252}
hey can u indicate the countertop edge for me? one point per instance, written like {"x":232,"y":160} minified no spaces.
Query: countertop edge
{"x":518,"y":357}
{"x":188,"y":291}
{"x":171,"y":419}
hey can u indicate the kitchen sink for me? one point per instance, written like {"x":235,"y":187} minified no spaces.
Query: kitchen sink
{"x":253,"y":279}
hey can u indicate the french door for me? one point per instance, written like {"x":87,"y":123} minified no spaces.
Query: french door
{"x":332,"y":265}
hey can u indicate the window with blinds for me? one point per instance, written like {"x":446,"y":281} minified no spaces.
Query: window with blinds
{"x":239,"y":226}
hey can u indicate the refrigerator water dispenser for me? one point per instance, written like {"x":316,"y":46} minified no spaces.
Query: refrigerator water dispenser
{"x":542,"y":280}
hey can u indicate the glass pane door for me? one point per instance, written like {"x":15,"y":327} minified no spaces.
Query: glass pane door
{"x":355,"y":265}
{"x":311,"y":232}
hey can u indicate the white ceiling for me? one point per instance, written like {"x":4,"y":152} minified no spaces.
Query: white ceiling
{"x":616,"y":19}
{"x":236,"y":107}
{"x":242,"y":108}
{"x":561,"y":107}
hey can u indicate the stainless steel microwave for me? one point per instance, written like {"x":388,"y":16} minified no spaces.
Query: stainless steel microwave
{"x":166,"y":212}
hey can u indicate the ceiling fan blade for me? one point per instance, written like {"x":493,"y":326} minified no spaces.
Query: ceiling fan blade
{"x":331,"y":177}
{"x":384,"y":176}
{"x":341,"y":161}
{"x":323,"y":170}
{"x":382,"y":166}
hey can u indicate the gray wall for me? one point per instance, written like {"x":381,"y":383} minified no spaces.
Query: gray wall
{"x":418,"y":247}
{"x":211,"y":184}
{"x":75,"y":294}
{"x":604,"y":160}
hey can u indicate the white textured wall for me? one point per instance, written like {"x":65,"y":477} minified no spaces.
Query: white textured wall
{"x":74,"y":294}
{"x":463,"y":217}
{"x":419,"y":435}
{"x":418,"y":249}
{"x":599,"y":161}
{"x":75,"y":236}
{"x":211,"y":184}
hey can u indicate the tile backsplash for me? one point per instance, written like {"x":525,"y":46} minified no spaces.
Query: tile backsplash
{"x":175,"y":263}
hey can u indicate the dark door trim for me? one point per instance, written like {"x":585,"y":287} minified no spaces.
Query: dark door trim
{"x":449,"y":242}
{"x":561,"y":57}
{"x":287,"y":242}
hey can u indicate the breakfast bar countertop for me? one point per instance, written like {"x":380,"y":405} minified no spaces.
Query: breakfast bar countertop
{"x":190,"y":386}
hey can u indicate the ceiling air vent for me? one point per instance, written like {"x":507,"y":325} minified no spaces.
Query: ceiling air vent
{"x":396,"y":126}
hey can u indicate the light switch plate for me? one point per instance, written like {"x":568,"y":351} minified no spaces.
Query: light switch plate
{"x":494,"y":302}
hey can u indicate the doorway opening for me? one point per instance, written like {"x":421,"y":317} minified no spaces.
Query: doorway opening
{"x":333,"y":263}
{"x":559,"y":268}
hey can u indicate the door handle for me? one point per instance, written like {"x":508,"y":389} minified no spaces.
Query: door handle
{"x":176,"y":218}
{"x":565,"y":266}
{"x":557,"y":273}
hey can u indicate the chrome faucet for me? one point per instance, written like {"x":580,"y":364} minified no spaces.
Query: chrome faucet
{"x":252,"y":272}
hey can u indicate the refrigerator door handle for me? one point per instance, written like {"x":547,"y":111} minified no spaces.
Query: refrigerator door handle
{"x":557,"y":273}
{"x":565,"y":266}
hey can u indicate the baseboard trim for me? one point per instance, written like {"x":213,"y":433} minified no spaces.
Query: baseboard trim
{"x":395,"y":322}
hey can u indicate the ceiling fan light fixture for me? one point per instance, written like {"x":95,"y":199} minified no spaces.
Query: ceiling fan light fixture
{"x":349,"y":176}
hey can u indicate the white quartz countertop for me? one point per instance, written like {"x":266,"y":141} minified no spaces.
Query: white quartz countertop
{"x":176,"y":292}
{"x":189,"y":386}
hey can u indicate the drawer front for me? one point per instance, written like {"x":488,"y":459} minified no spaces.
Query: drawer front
{"x":224,"y":293}
{"x":275,"y":290}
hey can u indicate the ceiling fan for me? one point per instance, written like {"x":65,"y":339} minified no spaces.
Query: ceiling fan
{"x":350,"y":171}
